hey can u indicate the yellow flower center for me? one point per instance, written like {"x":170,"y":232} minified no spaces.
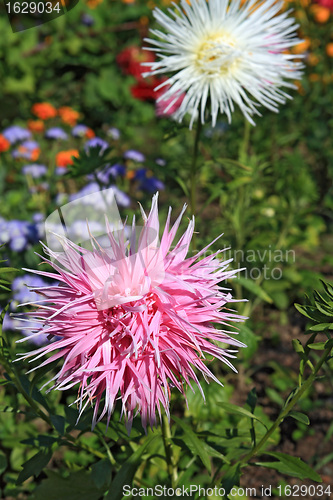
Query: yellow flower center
{"x":217,"y":55}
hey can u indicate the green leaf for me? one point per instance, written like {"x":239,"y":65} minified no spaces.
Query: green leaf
{"x":234,"y":163}
{"x":257,"y":290}
{"x":88,"y":162}
{"x":317,"y":346}
{"x":101,"y":474}
{"x":252,"y":399}
{"x":250,"y":339}
{"x":3,"y":462}
{"x":59,"y":423}
{"x":183,"y":186}
{"x":298,"y":346}
{"x":328,"y":288}
{"x":77,"y":486}
{"x":231,"y":478}
{"x":194,"y":444}
{"x":8,"y":270}
{"x":127,"y":471}
{"x":321,"y":327}
{"x":299,"y":416}
{"x":320,"y":346}
{"x":238,"y":410}
{"x":292,"y":466}
{"x":35,"y":465}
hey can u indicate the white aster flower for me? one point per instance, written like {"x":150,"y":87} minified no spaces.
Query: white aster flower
{"x":223,"y":53}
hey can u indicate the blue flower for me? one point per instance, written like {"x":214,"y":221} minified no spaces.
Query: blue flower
{"x":79,"y":130}
{"x":114,"y":133}
{"x":147,"y":182}
{"x":15,"y":133}
{"x":96,"y":142}
{"x":34,"y":170}
{"x":134,"y":155}
{"x":108,"y":174}
{"x":56,"y":133}
{"x":26,"y":149}
{"x":18,"y":234}
{"x":98,"y":202}
{"x":87,"y":20}
{"x":22,"y":294}
{"x":21,"y":289}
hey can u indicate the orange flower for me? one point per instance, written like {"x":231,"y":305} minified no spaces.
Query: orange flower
{"x":44,"y":110}
{"x":64,"y":158}
{"x":329,"y":49}
{"x":321,"y":14}
{"x":36,"y":125}
{"x":302,"y":46}
{"x":29,"y":154}
{"x":92,"y":4}
{"x":130,"y":174}
{"x":89,"y":133}
{"x":69,"y":115}
{"x":4,"y":144}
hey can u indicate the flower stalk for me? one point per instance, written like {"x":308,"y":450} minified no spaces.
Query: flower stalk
{"x":194,"y":176}
{"x":169,"y":452}
{"x":288,"y":407}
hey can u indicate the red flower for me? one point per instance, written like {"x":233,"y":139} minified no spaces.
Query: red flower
{"x":326,"y":3}
{"x":130,"y":60}
{"x":64,"y":158}
{"x":44,"y":110}
{"x":4,"y":144}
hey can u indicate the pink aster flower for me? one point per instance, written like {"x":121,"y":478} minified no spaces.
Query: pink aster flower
{"x":135,"y":319}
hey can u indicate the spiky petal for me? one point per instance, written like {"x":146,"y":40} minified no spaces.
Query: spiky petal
{"x":135,"y":320}
{"x":225,"y":53}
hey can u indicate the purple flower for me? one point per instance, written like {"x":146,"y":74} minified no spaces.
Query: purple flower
{"x":134,"y":155}
{"x":96,"y":142}
{"x":108,"y":174}
{"x":34,"y":170}
{"x":22,"y":294}
{"x":121,"y":198}
{"x":15,"y":133}
{"x":87,"y":20}
{"x":114,"y":133}
{"x":79,"y":130}
{"x":147,"y":182}
{"x":56,"y":133}
{"x":21,"y":289}
{"x":18,"y":234}
{"x":160,"y":162}
{"x":60,"y":171}
{"x":39,"y":220}
{"x":117,"y":170}
{"x":26,"y":149}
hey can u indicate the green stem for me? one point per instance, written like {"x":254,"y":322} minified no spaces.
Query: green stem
{"x":299,"y":393}
{"x":244,"y":145}
{"x":15,"y":379}
{"x":193,"y":176}
{"x":170,"y":458}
